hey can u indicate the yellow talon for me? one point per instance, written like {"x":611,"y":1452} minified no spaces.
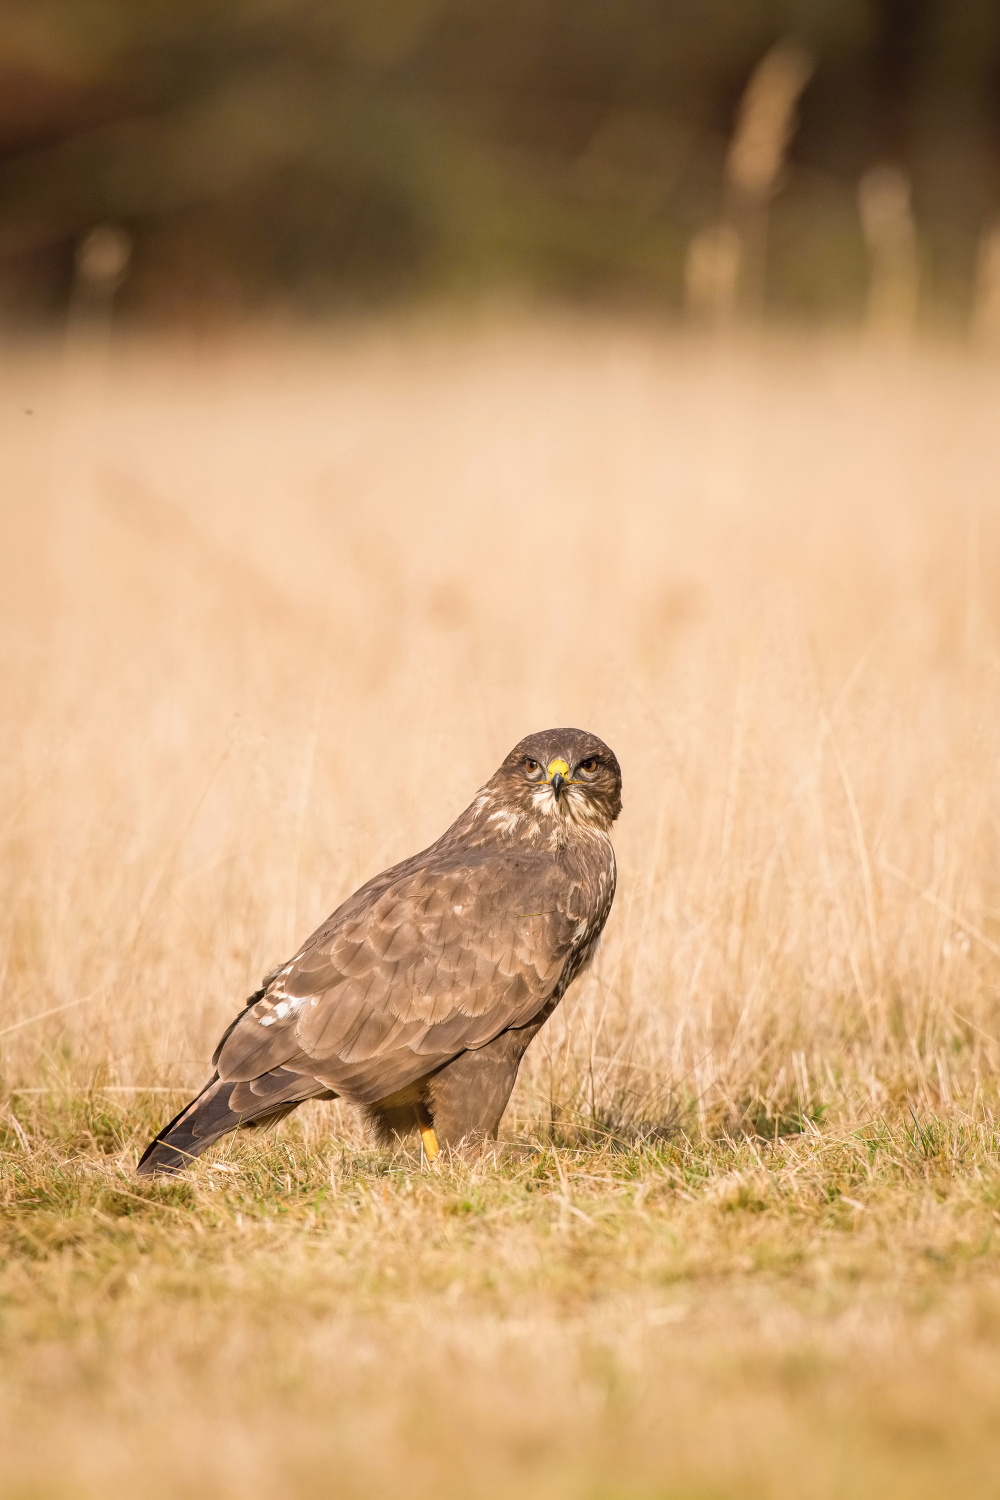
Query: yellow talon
{"x":430,"y":1140}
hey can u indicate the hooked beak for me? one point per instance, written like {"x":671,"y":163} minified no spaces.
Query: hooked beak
{"x":558,"y":771}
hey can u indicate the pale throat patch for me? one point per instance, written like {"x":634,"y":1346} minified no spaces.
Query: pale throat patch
{"x":572,"y":806}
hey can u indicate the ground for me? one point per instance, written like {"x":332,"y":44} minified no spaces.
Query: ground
{"x":817,"y":1315}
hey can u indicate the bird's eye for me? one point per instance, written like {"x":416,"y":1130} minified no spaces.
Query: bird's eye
{"x":589,"y":765}
{"x":530,"y":765}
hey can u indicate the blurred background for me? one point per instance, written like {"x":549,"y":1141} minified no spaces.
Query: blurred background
{"x":375,"y":388}
{"x":764,"y":568}
{"x":818,"y":160}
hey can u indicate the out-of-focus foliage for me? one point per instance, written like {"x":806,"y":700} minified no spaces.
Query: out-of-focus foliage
{"x":320,"y":152}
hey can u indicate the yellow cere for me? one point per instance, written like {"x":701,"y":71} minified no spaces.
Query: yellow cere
{"x":558,"y":768}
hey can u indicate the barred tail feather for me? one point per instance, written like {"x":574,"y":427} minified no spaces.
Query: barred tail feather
{"x":199,"y":1124}
{"x":223,"y":1106}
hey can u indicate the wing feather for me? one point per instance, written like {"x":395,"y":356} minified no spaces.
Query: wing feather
{"x":443,"y":958}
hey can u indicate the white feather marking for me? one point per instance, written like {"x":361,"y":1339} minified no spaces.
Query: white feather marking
{"x":506,"y":821}
{"x":280,"y":1008}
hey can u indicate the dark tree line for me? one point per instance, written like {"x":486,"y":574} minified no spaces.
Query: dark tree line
{"x":321,"y":153}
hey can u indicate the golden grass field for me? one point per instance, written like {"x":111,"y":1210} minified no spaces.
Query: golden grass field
{"x":273,"y":608}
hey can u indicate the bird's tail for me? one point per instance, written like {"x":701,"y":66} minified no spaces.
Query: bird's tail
{"x":202,"y":1122}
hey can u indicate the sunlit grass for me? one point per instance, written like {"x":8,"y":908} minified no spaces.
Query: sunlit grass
{"x":271,"y":615}
{"x":566,"y":1320}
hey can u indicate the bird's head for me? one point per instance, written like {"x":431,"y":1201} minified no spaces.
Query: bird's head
{"x":565,"y":774}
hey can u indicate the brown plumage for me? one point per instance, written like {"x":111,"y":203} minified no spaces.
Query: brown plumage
{"x":417,"y":998}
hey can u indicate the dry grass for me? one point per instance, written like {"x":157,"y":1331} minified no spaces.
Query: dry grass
{"x":270,"y":614}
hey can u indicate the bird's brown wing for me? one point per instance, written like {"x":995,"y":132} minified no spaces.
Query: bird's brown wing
{"x":444,"y":958}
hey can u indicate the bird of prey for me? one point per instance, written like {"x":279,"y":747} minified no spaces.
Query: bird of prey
{"x":417,"y":998}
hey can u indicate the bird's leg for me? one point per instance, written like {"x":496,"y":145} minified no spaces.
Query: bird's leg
{"x":468,"y":1096}
{"x":427,"y":1133}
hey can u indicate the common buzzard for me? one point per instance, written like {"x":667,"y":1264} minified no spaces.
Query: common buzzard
{"x":417,"y":998}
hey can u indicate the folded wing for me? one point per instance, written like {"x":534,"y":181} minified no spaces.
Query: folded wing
{"x":437,"y":961}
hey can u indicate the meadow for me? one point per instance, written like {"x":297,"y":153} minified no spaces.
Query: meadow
{"x":274,"y":606}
